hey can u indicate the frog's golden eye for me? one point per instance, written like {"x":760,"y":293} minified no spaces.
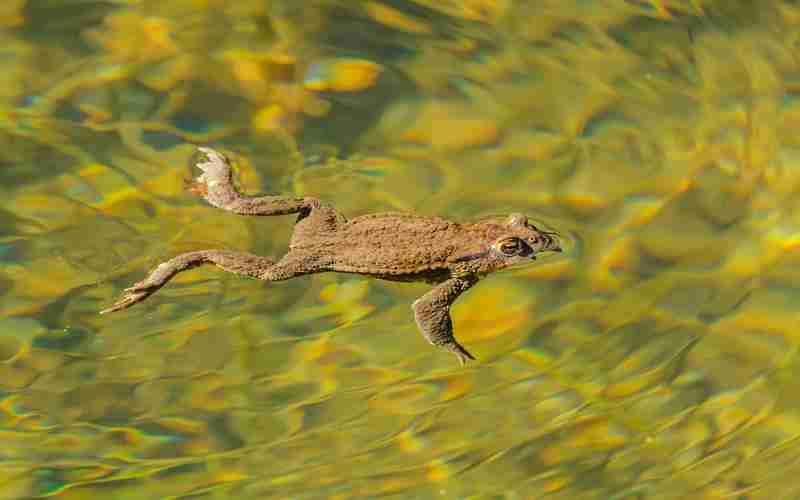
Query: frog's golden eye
{"x":511,"y":246}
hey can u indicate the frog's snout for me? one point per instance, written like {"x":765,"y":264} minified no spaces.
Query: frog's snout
{"x":550,"y":242}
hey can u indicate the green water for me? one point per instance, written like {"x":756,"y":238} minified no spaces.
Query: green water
{"x":656,"y":359}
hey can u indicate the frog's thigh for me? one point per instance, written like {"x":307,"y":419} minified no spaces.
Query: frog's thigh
{"x":242,"y":263}
{"x":294,"y":263}
{"x":256,"y":266}
{"x":320,"y":218}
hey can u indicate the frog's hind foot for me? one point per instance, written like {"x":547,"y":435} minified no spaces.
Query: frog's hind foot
{"x":131,"y":296}
{"x":215,"y":183}
{"x":137,"y":292}
{"x":155,"y":280}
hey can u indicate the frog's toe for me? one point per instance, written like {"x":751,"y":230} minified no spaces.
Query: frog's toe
{"x":129,"y":298}
{"x":462,"y":354}
{"x":197,"y":187}
{"x":138,"y":288}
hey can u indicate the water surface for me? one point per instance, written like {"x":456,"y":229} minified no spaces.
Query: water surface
{"x":657,"y":359}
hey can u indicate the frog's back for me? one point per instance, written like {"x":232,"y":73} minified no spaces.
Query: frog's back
{"x":391,"y":245}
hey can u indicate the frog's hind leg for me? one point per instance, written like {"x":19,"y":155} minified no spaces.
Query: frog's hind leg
{"x":215,"y":184}
{"x":241,"y":263}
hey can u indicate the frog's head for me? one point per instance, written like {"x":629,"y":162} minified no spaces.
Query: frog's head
{"x":499,"y":244}
{"x":524,"y":240}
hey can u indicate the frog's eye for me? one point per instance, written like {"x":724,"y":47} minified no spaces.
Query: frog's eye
{"x":511,"y":246}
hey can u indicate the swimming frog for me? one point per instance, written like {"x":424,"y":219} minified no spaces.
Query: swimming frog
{"x":389,"y":246}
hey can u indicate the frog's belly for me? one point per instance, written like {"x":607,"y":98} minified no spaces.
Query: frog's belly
{"x":424,"y":273}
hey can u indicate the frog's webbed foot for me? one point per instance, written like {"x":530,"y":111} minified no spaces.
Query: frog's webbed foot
{"x":131,"y":296}
{"x":432,"y":314}
{"x":215,"y":185}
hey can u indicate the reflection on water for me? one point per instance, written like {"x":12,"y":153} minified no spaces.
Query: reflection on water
{"x":658,"y":360}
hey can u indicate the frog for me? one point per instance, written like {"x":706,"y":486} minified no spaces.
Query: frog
{"x":404,"y":247}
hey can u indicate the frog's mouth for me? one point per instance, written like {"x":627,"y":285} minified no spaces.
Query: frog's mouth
{"x":550,"y":246}
{"x":472,"y":256}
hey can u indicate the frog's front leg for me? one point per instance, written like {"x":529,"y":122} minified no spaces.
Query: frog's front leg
{"x":432,"y":313}
{"x":241,"y":263}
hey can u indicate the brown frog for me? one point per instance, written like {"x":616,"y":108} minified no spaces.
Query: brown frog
{"x":389,"y":246}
